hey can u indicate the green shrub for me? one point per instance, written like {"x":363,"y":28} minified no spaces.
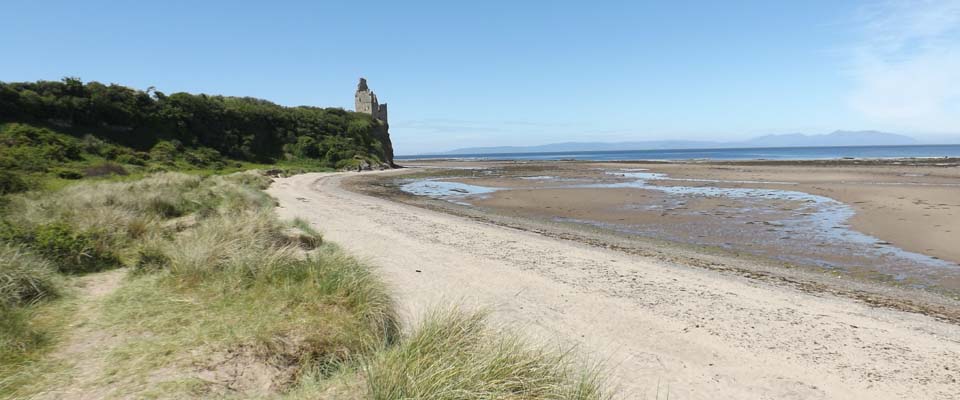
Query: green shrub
{"x":66,"y":173}
{"x":111,"y":152}
{"x":11,"y":182}
{"x":73,"y":252}
{"x":164,"y":152}
{"x":348,"y":163}
{"x":94,"y":145}
{"x":132,"y":159}
{"x":30,"y":148}
{"x":104,"y":169}
{"x":305,"y":147}
{"x":204,"y":157}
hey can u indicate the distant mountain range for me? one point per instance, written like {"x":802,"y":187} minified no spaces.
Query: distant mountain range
{"x":838,"y":138}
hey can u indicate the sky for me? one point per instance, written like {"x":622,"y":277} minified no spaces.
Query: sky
{"x":494,"y":73}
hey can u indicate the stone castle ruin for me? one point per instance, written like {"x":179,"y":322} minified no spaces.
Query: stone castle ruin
{"x":365,"y":102}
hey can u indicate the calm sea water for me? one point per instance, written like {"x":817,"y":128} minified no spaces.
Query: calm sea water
{"x":772,"y":153}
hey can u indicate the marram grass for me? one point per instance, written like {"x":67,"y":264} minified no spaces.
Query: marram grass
{"x":455,"y":355}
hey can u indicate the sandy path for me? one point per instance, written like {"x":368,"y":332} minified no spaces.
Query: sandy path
{"x":87,"y":342}
{"x":702,"y":334}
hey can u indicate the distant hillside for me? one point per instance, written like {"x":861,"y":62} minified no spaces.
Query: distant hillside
{"x":838,"y":138}
{"x":239,"y":128}
{"x":583,"y":146}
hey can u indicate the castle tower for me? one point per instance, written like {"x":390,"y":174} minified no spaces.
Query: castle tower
{"x":365,"y":101}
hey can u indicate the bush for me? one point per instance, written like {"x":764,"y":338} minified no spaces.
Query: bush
{"x":31,"y":148}
{"x":94,"y":145}
{"x":305,"y":147}
{"x":349,"y":163}
{"x":11,"y":183}
{"x":66,"y":173}
{"x":104,"y":169}
{"x":164,"y":152}
{"x":73,"y":252}
{"x":205,"y":157}
{"x":133,"y":159}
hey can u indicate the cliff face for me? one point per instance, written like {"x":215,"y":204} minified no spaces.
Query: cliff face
{"x":382,"y":133}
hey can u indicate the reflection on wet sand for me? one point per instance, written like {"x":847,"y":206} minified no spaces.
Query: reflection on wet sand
{"x":771,"y":220}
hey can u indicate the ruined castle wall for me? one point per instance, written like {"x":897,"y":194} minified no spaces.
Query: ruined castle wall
{"x":382,"y":113}
{"x":364,"y":102}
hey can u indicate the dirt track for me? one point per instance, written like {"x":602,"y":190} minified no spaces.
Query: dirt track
{"x":700,"y":334}
{"x":86,"y":343}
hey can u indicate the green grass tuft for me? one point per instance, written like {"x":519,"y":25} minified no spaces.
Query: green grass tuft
{"x":454,"y":355}
{"x":25,"y":278}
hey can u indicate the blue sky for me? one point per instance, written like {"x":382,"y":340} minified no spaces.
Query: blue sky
{"x":463,"y":74}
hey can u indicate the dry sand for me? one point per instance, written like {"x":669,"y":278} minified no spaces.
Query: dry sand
{"x":660,"y":326}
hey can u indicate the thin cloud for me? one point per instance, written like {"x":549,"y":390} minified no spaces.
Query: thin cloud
{"x":907,"y":65}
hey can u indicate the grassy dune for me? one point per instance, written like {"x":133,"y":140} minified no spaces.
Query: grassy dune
{"x":456,"y":355}
{"x":220,"y":299}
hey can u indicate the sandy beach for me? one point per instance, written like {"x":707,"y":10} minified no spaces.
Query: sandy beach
{"x":660,"y":324}
{"x":893,"y":221}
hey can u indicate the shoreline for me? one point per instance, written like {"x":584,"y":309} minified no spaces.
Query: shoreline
{"x":864,"y":288}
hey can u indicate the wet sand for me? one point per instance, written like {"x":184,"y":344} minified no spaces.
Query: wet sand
{"x":884,"y":221}
{"x":915,"y":208}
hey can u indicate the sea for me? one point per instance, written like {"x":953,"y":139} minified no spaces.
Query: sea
{"x":767,"y":153}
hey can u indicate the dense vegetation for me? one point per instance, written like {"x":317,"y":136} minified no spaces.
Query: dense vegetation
{"x":223,"y":300}
{"x":128,"y":126}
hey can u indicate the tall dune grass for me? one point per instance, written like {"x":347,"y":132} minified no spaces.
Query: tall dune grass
{"x":217,"y":273}
{"x":25,"y":279}
{"x":89,"y":227}
{"x":454,"y":355}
